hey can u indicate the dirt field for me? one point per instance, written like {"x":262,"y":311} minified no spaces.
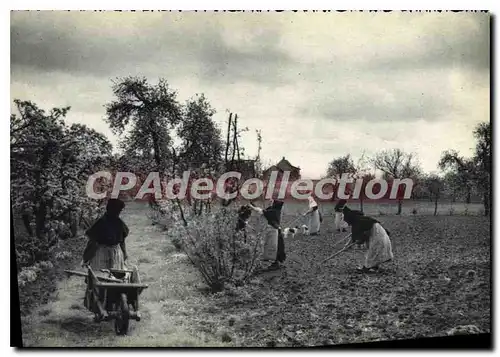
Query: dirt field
{"x":440,"y":279}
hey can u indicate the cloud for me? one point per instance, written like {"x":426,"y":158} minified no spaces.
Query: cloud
{"x":447,"y":41}
{"x":77,"y":43}
{"x":381,"y":97}
{"x":318,"y":85}
{"x":405,"y":72}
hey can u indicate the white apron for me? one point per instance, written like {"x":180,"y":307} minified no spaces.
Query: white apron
{"x":270,"y":243}
{"x":314,"y":223}
{"x":339,"y":221}
{"x":379,"y":247}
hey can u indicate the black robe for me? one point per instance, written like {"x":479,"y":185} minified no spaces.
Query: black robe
{"x":339,"y":207}
{"x":244,"y":214}
{"x":361,"y":225}
{"x":108,"y":230}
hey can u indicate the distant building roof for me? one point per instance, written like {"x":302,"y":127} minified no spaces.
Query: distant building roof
{"x":283,"y":165}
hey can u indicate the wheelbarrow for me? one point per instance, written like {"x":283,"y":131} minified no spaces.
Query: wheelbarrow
{"x":113,"y":297}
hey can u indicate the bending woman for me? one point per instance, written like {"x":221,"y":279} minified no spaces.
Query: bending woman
{"x":339,"y":216}
{"x":369,"y":231}
{"x":274,"y":243}
{"x":314,"y":217}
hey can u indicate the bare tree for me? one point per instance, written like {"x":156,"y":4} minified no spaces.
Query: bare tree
{"x":258,"y":159}
{"x":397,"y":164}
{"x":233,"y":154}
{"x":362,"y":172}
{"x":435,"y":186}
{"x":463,"y":168}
{"x":475,"y":171}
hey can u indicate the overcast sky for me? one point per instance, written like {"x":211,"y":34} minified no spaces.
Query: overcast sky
{"x":319,"y":85}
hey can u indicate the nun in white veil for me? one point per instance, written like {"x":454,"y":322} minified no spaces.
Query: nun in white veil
{"x":314,"y":217}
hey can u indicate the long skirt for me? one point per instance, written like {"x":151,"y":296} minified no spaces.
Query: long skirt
{"x":314,"y":223}
{"x":379,"y":247}
{"x":270,"y":244}
{"x":280,"y":254}
{"x":108,"y":257}
{"x":339,"y":221}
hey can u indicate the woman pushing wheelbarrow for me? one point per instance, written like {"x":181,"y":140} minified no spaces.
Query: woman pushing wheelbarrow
{"x":114,"y":296}
{"x":106,"y":246}
{"x":106,"y":250}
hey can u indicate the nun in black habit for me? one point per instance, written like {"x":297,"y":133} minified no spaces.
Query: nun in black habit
{"x":274,"y":243}
{"x":369,"y":231}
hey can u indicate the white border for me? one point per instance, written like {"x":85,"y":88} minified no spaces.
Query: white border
{"x":187,"y":5}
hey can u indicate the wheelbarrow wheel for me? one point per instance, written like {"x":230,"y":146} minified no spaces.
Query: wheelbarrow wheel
{"x":122,"y":320}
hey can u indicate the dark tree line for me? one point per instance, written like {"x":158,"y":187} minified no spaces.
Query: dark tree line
{"x":462,"y":177}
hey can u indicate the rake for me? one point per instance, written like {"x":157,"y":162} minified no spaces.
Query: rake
{"x":347,"y":246}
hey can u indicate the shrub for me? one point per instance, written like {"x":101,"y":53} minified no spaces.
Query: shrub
{"x":30,"y":274}
{"x":64,"y":255}
{"x":174,"y":233}
{"x":165,"y":213}
{"x":27,"y":275}
{"x":45,"y":265}
{"x":220,"y":254}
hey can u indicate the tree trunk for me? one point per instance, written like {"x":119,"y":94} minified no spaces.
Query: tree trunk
{"x":200,"y":208}
{"x":41,"y":215}
{"x":486,"y":202}
{"x":361,"y":204}
{"x":237,"y":145}
{"x":73,"y":224}
{"x":436,"y":206}
{"x":469,"y":193}
{"x":181,"y":212}
{"x":400,"y":207}
{"x":27,"y":225}
{"x":226,"y":157}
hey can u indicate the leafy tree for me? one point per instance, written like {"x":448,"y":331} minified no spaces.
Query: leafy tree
{"x":201,"y":148}
{"x":149,"y":112}
{"x":339,"y":166}
{"x":50,"y":164}
{"x":482,"y":160}
{"x":201,"y":138}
